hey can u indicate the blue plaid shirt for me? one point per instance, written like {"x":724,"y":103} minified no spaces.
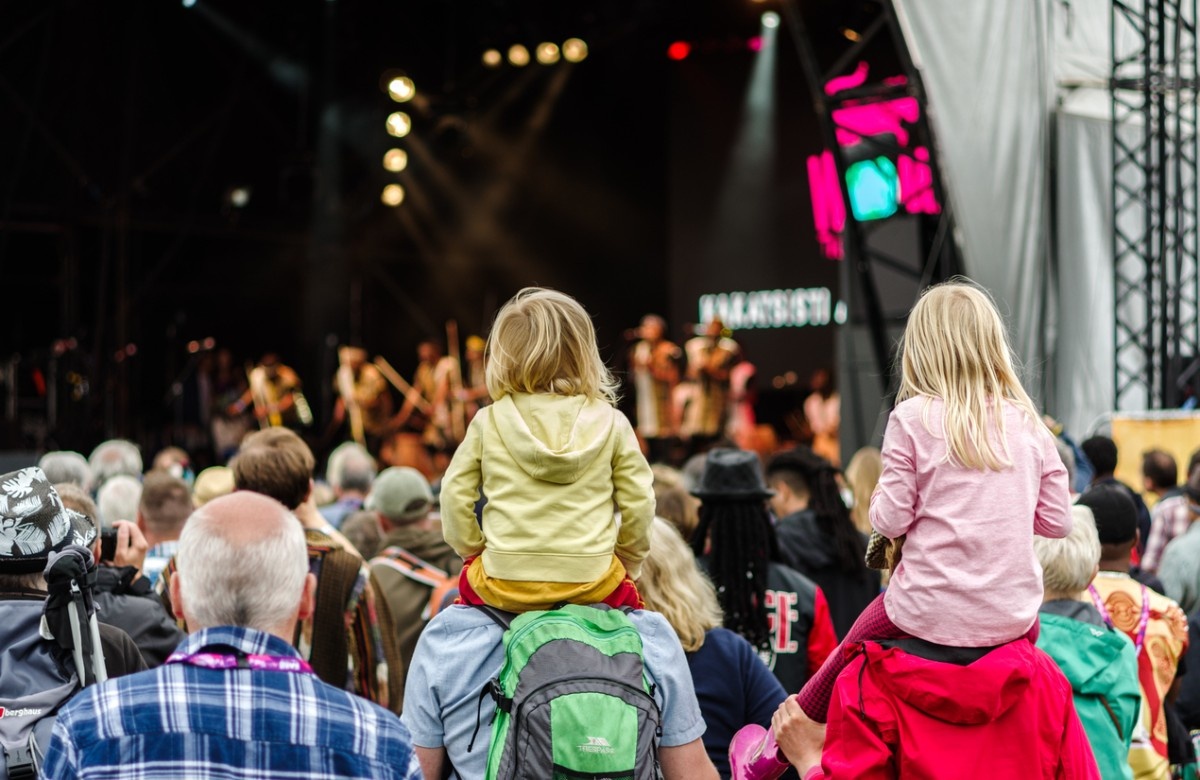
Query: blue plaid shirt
{"x":182,"y":720}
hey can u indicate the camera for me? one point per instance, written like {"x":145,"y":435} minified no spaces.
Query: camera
{"x":108,"y":544}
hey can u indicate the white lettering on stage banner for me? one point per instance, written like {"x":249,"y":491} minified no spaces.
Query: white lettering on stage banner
{"x":802,"y":307}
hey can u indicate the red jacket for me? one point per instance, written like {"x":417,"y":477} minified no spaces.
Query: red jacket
{"x":1007,"y":715}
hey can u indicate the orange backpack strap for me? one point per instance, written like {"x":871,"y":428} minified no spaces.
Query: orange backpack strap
{"x":418,"y":570}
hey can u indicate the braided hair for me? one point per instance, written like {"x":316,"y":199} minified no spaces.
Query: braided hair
{"x":742,"y":548}
{"x":825,"y":501}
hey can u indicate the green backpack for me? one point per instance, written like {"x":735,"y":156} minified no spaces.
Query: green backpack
{"x":572,"y":698}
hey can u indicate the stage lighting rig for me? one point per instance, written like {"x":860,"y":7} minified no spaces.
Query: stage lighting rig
{"x":399,"y":124}
{"x":547,"y":53}
{"x":518,"y":55}
{"x":395,"y":160}
{"x":574,"y":50}
{"x":392,"y":195}
{"x":401,"y":89}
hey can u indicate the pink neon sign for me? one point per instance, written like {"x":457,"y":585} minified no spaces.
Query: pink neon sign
{"x":853,"y":123}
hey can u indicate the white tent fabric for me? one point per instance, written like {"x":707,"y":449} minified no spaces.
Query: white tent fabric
{"x":990,"y":83}
{"x":1083,"y":357}
{"x":1012,"y":87}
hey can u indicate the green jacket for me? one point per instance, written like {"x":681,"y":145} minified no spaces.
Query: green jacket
{"x":1101,"y":665}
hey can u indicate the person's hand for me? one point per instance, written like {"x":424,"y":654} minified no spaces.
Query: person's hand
{"x":131,"y":546}
{"x":799,"y":737}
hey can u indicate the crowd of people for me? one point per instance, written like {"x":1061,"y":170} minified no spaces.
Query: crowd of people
{"x":978,"y":597}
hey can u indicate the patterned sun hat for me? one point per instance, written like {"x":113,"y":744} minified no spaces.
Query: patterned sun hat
{"x":34,"y":522}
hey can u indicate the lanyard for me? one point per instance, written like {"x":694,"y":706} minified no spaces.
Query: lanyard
{"x":1140,"y":639}
{"x":268,"y":663}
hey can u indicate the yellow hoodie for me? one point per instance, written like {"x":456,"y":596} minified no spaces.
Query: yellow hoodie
{"x":551,"y":467}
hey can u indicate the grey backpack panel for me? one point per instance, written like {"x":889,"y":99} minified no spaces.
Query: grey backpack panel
{"x":33,"y":686}
{"x":559,"y":669}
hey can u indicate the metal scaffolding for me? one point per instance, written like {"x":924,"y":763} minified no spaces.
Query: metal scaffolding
{"x":1154,"y":204}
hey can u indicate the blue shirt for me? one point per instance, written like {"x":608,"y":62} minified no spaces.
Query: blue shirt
{"x":157,"y":558}
{"x":734,"y":687}
{"x":460,"y":650}
{"x":186,"y":721}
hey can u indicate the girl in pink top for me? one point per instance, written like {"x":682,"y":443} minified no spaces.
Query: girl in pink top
{"x":970,"y":474}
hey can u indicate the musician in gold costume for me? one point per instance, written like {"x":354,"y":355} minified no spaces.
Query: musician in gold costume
{"x":705,"y":394}
{"x":427,"y":409}
{"x":275,"y":394}
{"x":363,"y":398}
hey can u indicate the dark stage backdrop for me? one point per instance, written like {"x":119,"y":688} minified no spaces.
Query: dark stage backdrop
{"x":742,"y":238}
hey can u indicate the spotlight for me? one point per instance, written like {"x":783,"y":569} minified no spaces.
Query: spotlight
{"x":392,"y":195}
{"x":850,"y":34}
{"x":239,"y":197}
{"x":547,"y":53}
{"x":770,"y":19}
{"x":492,"y":58}
{"x":755,"y":43}
{"x":189,"y":3}
{"x":395,"y":160}
{"x":398,"y":124}
{"x":518,"y":55}
{"x":679,"y":50}
{"x":401,"y":89}
{"x":574,"y":50}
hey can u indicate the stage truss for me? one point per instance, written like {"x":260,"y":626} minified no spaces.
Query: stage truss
{"x":1154,"y":204}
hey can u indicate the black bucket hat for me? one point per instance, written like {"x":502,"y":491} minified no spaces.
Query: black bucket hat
{"x":732,"y":475}
{"x":34,"y":522}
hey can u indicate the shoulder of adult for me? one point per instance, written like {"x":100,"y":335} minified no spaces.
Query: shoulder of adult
{"x":730,"y":644}
{"x":384,"y":726}
{"x":790,"y":579}
{"x":121,"y":654}
{"x":459,"y":618}
{"x":1047,"y":669}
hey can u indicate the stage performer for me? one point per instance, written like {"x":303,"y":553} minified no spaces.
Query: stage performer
{"x":363,"y":397}
{"x":823,"y":410}
{"x":431,"y":390}
{"x":705,"y":394}
{"x":275,"y":395}
{"x":475,"y":393}
{"x":654,"y":364}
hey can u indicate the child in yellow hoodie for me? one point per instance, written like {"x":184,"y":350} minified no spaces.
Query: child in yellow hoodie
{"x":552,"y":455}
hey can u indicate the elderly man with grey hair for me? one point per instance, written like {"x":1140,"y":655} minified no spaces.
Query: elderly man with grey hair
{"x":67,"y":467}
{"x":1098,"y":660}
{"x":118,"y":499}
{"x":114,"y":457}
{"x":235,"y":700}
{"x":351,"y":473}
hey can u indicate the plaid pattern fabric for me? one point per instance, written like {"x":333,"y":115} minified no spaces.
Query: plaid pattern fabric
{"x":185,"y":721}
{"x":1169,"y":519}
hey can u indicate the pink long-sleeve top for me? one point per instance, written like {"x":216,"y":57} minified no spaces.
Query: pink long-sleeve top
{"x":968,"y":576}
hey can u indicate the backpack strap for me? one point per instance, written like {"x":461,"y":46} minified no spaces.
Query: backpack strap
{"x":421,"y":571}
{"x":498,"y":616}
{"x":411,"y":566}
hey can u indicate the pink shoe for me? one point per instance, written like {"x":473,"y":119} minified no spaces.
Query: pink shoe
{"x":753,"y":754}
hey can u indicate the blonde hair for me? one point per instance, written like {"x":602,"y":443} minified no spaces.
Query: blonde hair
{"x":543,"y":342}
{"x":955,"y":348}
{"x":672,"y":584}
{"x":1069,"y":564}
{"x":862,"y":475}
{"x":673,"y":503}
